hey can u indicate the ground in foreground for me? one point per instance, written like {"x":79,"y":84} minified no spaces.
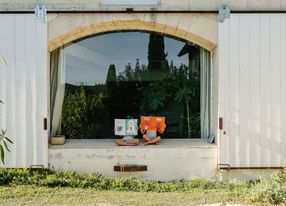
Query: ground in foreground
{"x":34,"y":195}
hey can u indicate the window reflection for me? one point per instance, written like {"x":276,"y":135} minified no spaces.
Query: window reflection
{"x":122,"y":74}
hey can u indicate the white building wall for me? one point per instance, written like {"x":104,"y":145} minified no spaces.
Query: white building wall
{"x":252,"y":100}
{"x":23,"y":88}
{"x":252,"y":88}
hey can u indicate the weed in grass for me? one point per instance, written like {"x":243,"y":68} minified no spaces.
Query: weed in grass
{"x":270,"y":190}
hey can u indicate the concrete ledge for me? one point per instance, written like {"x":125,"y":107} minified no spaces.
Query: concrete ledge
{"x":171,"y":160}
{"x":109,"y":143}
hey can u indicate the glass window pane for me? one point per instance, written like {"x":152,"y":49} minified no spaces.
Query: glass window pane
{"x":131,"y":74}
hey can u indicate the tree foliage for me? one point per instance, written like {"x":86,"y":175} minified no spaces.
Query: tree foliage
{"x":84,"y":113}
{"x":4,"y":141}
{"x":88,"y":111}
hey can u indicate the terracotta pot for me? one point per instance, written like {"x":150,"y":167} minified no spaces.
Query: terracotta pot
{"x":58,"y":140}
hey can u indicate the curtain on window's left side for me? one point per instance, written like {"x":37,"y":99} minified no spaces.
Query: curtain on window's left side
{"x":57,"y":89}
{"x":205,"y":93}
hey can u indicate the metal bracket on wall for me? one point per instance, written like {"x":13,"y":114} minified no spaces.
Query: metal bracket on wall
{"x":223,"y":13}
{"x":41,"y":13}
{"x":45,"y":124}
{"x":223,"y":166}
{"x":220,"y":123}
{"x":36,"y":168}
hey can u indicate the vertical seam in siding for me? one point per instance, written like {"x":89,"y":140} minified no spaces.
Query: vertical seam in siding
{"x":15,"y":59}
{"x":35,"y":101}
{"x":238,"y":76}
{"x":25,"y":110}
{"x":228,"y":78}
{"x":280,"y":93}
{"x":249,"y":87}
{"x":269,"y":94}
{"x":260,"y":95}
{"x":34,"y":125}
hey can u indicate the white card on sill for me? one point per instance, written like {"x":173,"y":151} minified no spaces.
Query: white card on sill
{"x":125,"y":127}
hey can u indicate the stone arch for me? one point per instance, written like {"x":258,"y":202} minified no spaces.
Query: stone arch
{"x":126,"y":25}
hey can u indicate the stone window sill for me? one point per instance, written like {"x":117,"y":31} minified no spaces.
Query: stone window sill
{"x":109,"y":143}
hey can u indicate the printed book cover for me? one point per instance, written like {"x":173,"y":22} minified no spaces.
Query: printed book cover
{"x":125,"y":127}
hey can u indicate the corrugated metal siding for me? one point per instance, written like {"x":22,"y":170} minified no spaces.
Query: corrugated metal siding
{"x":252,"y":90}
{"x":23,"y":88}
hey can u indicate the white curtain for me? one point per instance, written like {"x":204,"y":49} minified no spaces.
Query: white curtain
{"x":57,"y":89}
{"x":205,"y":101}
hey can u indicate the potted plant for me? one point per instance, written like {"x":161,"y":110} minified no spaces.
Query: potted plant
{"x":58,"y":139}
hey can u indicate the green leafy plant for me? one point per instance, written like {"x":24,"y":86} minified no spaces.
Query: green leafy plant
{"x":4,"y":141}
{"x":50,"y":178}
{"x":180,"y":86}
{"x":270,"y":190}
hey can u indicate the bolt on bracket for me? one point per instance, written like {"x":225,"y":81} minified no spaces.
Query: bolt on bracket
{"x":41,"y":13}
{"x":223,"y":13}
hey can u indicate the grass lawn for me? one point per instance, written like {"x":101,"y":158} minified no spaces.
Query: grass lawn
{"x":48,"y":187}
{"x":34,"y":195}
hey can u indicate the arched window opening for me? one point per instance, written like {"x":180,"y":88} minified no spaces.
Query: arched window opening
{"x":129,"y":74}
